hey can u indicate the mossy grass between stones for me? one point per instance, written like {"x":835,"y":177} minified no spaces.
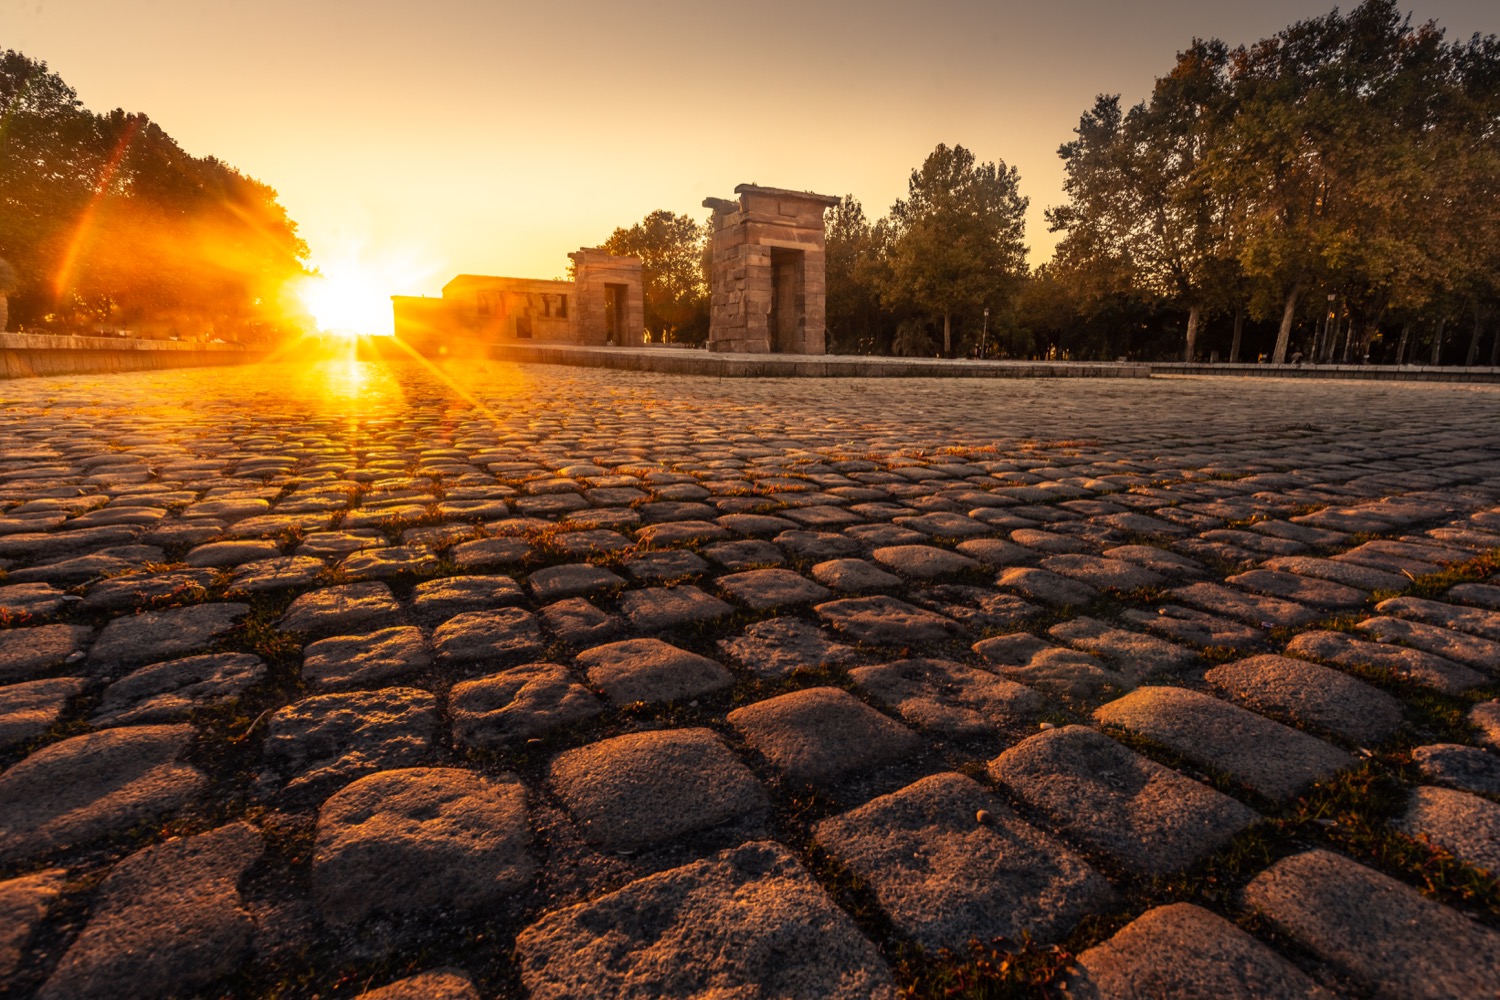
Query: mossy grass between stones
{"x":1435,"y":585}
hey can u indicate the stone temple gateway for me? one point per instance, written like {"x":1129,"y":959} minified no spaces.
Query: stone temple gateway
{"x":767,"y":291}
{"x":766,"y":285}
{"x":602,"y":306}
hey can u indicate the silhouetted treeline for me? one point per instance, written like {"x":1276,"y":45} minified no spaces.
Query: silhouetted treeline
{"x":1331,"y":192}
{"x":108,"y":224}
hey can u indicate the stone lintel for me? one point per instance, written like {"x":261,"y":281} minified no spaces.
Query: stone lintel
{"x":827,"y":200}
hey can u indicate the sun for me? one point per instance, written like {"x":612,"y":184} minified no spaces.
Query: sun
{"x":349,"y":302}
{"x":349,"y":294}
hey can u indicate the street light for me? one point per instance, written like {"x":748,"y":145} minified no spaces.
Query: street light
{"x":1327,"y":345}
{"x":984,"y":337}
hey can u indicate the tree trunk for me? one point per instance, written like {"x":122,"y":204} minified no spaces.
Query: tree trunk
{"x":1239,"y":328}
{"x":1473,"y":354}
{"x":4,"y":312}
{"x":1284,"y":336}
{"x":1401,"y":345}
{"x":947,"y":335}
{"x":1437,"y":341}
{"x":1192,"y":333}
{"x":1495,"y":351}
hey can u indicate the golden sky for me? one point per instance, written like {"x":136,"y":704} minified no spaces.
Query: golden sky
{"x":427,"y":139}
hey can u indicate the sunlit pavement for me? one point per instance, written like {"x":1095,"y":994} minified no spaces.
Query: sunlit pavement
{"x":555,"y":682}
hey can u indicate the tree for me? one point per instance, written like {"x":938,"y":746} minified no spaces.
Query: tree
{"x":49,"y":153}
{"x":1095,"y":257}
{"x":1469,"y":199}
{"x":109,"y":220}
{"x":1185,"y":246}
{"x":1329,"y":148}
{"x":1143,"y":219}
{"x":957,"y":238}
{"x":674,"y":288}
{"x":1350,"y":158}
{"x":855,"y":270}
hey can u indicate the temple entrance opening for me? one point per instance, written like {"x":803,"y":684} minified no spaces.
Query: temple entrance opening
{"x":788,"y":305}
{"x":614,"y":314}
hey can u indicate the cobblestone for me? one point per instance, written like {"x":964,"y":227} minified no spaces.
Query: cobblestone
{"x":811,"y":604}
{"x":778,"y":646}
{"x":1465,"y":824}
{"x":1309,"y":695}
{"x":1274,"y":760}
{"x":325,"y":741}
{"x":1144,"y":815}
{"x":29,"y":709}
{"x":23,"y":905}
{"x":168,"y":919}
{"x":946,"y":878}
{"x":409,"y":843}
{"x":820,"y":735}
{"x":1414,"y":665}
{"x":171,"y":691}
{"x":152,"y":636}
{"x":950,"y":698}
{"x":644,"y":788}
{"x":1187,"y":953}
{"x":649,"y":670}
{"x":93,"y":785}
{"x":1457,"y":766}
{"x":517,"y":704}
{"x":750,"y":921}
{"x":1383,"y":934}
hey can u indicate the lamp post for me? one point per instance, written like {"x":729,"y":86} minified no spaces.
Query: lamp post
{"x":1330,"y":327}
{"x":984,"y":337}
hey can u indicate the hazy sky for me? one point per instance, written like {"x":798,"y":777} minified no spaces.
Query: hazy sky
{"x":493,"y":137}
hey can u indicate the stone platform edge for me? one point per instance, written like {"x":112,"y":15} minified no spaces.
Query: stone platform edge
{"x":686,"y":361}
{"x":26,"y":355}
{"x":1380,"y":373}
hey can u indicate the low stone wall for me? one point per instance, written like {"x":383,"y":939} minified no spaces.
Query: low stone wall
{"x":24,"y":355}
{"x":694,"y":362}
{"x":1379,"y":373}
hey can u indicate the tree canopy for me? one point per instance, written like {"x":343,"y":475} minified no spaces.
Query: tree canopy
{"x":674,"y":288}
{"x":855,"y":268}
{"x":957,"y":241}
{"x":952,"y":248}
{"x":110,"y":222}
{"x":1349,"y":159}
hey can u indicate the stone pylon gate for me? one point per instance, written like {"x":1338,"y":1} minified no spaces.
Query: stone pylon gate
{"x":766,"y":282}
{"x":611,"y":309}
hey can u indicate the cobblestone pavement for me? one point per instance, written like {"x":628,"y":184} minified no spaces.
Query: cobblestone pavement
{"x":347,"y":680}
